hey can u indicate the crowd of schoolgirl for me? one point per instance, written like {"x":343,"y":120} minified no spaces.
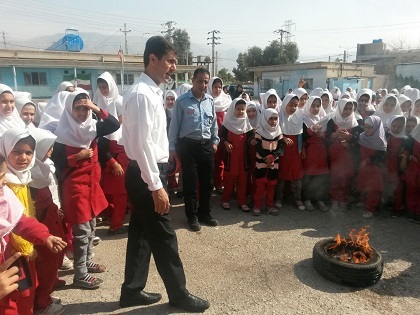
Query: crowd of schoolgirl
{"x":68,"y":168}
{"x":325,"y":149}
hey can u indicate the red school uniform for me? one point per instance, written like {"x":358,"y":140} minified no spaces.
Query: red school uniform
{"x":290,"y":163}
{"x":370,"y":177}
{"x":342,"y":166}
{"x":412,"y":177}
{"x":316,"y":160}
{"x":19,"y":302}
{"x":392,"y":173}
{"x":218,"y":156}
{"x":236,"y":165}
{"x":82,"y":196}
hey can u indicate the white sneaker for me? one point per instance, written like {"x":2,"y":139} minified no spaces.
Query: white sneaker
{"x":308,"y":205}
{"x":67,"y":263}
{"x":96,"y":240}
{"x":278,"y":204}
{"x":335,"y":206}
{"x":368,"y":214}
{"x":322,"y":206}
{"x":52,"y":309}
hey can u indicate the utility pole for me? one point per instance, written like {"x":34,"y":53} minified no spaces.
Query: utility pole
{"x":281,"y":32}
{"x":287,"y":26}
{"x":216,"y":66}
{"x":125,"y":36}
{"x":168,"y":32}
{"x":345,"y":56}
{"x":4,"y":40}
{"x":213,"y":43}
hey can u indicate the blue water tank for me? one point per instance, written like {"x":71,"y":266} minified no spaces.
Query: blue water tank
{"x":70,"y":42}
{"x":377,"y":41}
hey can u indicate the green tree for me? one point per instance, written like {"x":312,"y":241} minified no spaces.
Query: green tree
{"x":226,"y":77}
{"x":274,"y":54}
{"x":182,"y":44}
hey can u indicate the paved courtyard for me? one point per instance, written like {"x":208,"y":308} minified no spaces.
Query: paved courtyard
{"x":263,"y":265}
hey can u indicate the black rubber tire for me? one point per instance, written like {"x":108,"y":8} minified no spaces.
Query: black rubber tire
{"x":355,"y":275}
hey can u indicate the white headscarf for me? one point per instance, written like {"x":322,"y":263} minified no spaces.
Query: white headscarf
{"x":41,"y":170}
{"x":11,"y":210}
{"x":395,"y":91}
{"x":13,"y":120}
{"x":384,"y":116}
{"x":183,"y":88}
{"x":317,"y":92}
{"x":413,"y":94}
{"x":376,"y":141}
{"x":113,"y":103}
{"x":70,"y":132}
{"x":221,"y":102}
{"x":169,"y":110}
{"x":299,"y":92}
{"x":402,"y":99}
{"x":336,"y":93}
{"x":290,"y":124}
{"x":330,"y":108}
{"x":310,"y":119}
{"x":267,"y":95}
{"x":415,"y":133}
{"x":264,"y":129}
{"x":347,"y":122}
{"x":404,"y":88}
{"x":22,"y":99}
{"x":369,"y":93}
{"x":253,"y":121}
{"x":53,"y":111}
{"x":63,"y":86}
{"x":237,"y":125}
{"x":7,"y":143}
{"x":402,"y":132}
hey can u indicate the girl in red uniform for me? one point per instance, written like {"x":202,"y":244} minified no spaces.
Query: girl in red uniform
{"x":290,"y":163}
{"x":48,"y":213}
{"x":372,"y":159}
{"x":315,"y":164}
{"x":19,"y":146}
{"x":112,"y":155}
{"x":388,"y":107}
{"x":76,"y":157}
{"x":236,"y":135}
{"x":342,"y":135}
{"x":393,"y":180}
{"x":410,"y":163}
{"x":267,"y":136}
{"x":222,"y":102}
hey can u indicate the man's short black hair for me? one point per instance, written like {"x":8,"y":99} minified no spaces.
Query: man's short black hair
{"x":201,"y":70}
{"x":158,"y":46}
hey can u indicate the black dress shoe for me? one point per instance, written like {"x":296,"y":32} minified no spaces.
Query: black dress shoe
{"x":140,"y":298}
{"x":191,"y":303}
{"x":194,"y":225}
{"x":208,"y":219}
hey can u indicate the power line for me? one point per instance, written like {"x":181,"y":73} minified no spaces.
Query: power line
{"x":125,"y":37}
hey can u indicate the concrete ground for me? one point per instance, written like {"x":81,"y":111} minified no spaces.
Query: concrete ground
{"x":263,"y":265}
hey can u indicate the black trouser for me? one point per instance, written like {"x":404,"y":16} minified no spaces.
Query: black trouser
{"x":316,"y":187}
{"x":197,"y":163}
{"x":149,"y":233}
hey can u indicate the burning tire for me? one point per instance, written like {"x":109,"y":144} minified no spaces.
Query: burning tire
{"x":351,"y":274}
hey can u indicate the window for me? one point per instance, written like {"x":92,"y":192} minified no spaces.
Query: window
{"x":128,"y":79}
{"x":309,"y":84}
{"x":35,"y":78}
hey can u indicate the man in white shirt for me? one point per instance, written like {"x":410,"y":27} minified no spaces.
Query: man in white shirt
{"x":146,"y":144}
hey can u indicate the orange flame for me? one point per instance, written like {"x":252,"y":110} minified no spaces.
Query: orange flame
{"x":355,"y":249}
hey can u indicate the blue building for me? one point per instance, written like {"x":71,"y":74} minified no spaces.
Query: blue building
{"x":40,"y":72}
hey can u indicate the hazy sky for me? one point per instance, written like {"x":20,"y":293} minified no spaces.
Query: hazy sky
{"x":321,"y":27}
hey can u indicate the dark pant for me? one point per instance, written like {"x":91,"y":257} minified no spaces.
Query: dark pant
{"x":197,"y":163}
{"x":149,"y":233}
